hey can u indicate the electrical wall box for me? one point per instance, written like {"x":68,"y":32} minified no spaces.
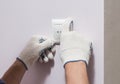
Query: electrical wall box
{"x":61,"y":26}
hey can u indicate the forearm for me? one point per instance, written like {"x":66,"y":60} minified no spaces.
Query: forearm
{"x":15,"y":73}
{"x":76,"y":73}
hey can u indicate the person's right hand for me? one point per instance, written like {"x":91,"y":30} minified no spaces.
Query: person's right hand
{"x":74,"y":48}
{"x":34,"y":50}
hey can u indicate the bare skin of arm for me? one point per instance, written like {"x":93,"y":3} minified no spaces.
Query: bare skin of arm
{"x":76,"y":73}
{"x":15,"y":73}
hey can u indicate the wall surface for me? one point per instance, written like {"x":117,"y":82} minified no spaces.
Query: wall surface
{"x":20,"y":19}
{"x":112,"y":41}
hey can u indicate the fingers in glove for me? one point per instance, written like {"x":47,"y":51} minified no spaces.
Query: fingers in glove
{"x":46,"y":43}
{"x":53,"y":50}
{"x":49,"y":54}
{"x":43,"y":58}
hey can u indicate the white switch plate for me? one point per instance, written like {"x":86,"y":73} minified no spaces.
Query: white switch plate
{"x":61,"y":25}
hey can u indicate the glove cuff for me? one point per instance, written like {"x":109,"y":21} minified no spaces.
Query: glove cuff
{"x":73,"y":55}
{"x":25,"y":62}
{"x":22,"y":63}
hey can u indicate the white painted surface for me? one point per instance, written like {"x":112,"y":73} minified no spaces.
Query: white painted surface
{"x":20,"y":19}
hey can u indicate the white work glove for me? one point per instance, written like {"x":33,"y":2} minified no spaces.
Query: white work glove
{"x":74,"y":48}
{"x":39,"y":47}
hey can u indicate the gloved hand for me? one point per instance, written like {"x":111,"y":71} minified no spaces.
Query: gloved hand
{"x":39,"y":47}
{"x":74,"y":48}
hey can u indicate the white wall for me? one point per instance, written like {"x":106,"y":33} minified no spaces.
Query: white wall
{"x":20,"y":19}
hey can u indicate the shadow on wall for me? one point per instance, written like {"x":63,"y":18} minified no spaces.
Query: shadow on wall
{"x":91,"y":70}
{"x":40,"y":72}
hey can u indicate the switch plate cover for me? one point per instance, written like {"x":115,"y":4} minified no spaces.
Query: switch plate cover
{"x":61,"y":26}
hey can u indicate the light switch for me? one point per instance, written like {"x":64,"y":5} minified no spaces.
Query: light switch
{"x":61,"y":25}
